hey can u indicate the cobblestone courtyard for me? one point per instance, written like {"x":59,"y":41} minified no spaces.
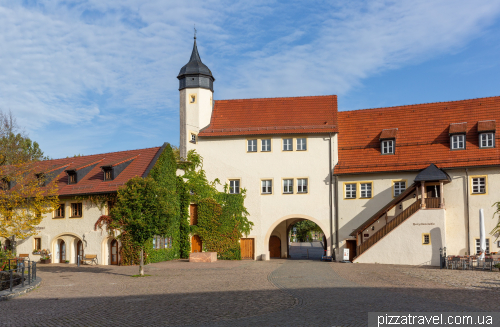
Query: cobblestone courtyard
{"x":244,"y":293}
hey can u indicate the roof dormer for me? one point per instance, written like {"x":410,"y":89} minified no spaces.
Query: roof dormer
{"x":76,"y":174}
{"x":457,"y":136}
{"x":112,"y":170}
{"x":486,"y":130}
{"x":388,"y":141}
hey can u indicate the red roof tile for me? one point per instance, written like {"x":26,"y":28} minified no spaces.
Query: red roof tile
{"x":296,"y":115}
{"x":423,"y":136}
{"x":486,"y":126}
{"x":93,"y":182}
{"x":458,"y":128}
{"x":389,"y":133}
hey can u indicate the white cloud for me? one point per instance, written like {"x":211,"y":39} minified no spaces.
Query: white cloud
{"x":105,"y":70}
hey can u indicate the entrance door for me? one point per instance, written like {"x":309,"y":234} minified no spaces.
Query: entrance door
{"x":247,"y":246}
{"x":275,"y":247}
{"x":79,"y":250}
{"x":114,"y":252}
{"x":62,"y":252}
{"x":196,"y":245}
{"x":351,"y":245}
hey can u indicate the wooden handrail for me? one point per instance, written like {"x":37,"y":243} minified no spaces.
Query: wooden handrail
{"x":414,"y":207}
{"x":432,"y":203}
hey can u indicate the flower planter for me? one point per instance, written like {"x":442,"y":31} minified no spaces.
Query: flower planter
{"x":45,"y":260}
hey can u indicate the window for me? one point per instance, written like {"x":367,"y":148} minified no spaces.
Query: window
{"x":111,"y":204}
{"x":458,"y":142}
{"x":108,"y":174}
{"x":288,"y":186}
{"x":59,"y":213}
{"x":426,"y":239}
{"x":287,"y":144}
{"x":478,"y":185}
{"x":193,"y":138}
{"x":193,"y":214}
{"x":399,"y":187}
{"x":387,"y":147}
{"x":72,"y":177}
{"x":365,"y":190}
{"x":267,"y":186}
{"x":486,"y":140}
{"x":302,"y":185}
{"x":234,"y":186}
{"x":301,"y":144}
{"x":192,"y":98}
{"x":478,"y":246}
{"x":252,"y":146}
{"x":38,"y":243}
{"x":76,"y":210}
{"x":350,"y":191}
{"x":266,"y":145}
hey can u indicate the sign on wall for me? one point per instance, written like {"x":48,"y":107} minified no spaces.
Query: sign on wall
{"x":346,"y":254}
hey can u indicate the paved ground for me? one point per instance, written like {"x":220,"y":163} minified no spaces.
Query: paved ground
{"x":245,"y":293}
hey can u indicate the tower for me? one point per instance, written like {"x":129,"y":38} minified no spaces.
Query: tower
{"x":196,"y":88}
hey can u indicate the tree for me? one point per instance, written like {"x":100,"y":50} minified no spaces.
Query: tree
{"x":304,"y":228}
{"x":496,"y":230}
{"x":139,"y":212}
{"x":27,"y":190}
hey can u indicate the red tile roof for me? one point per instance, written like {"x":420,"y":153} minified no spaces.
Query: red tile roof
{"x":389,"y":133}
{"x":297,"y":115}
{"x":93,"y":182}
{"x":486,"y":126}
{"x":457,"y":128}
{"x":422,"y":138}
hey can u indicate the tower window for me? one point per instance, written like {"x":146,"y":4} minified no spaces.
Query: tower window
{"x":193,"y":138}
{"x":192,"y":98}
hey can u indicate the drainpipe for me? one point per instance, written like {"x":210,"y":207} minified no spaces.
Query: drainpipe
{"x":330,"y":193}
{"x":336,"y":213}
{"x":467,"y":212}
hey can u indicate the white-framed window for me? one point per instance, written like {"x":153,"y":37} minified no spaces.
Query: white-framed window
{"x":399,"y":187}
{"x":478,"y":185}
{"x":365,"y":190}
{"x":301,"y":144}
{"x":387,"y":147}
{"x":302,"y":185}
{"x":267,"y":186}
{"x":288,"y":186}
{"x":193,"y":138}
{"x":266,"y":145}
{"x":252,"y":145}
{"x":350,"y":190}
{"x":478,"y":246}
{"x":486,"y":140}
{"x":234,"y":186}
{"x":426,"y":239}
{"x":287,"y":144}
{"x":458,"y":142}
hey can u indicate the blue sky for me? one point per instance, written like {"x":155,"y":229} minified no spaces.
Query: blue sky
{"x":99,"y":76}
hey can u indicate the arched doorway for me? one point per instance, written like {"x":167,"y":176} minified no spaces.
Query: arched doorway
{"x":196,"y":244}
{"x":62,"y":251}
{"x":79,"y":250}
{"x":113,"y":248}
{"x":275,"y":247}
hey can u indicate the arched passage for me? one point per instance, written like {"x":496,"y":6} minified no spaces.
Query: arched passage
{"x":281,"y":228}
{"x":65,"y":247}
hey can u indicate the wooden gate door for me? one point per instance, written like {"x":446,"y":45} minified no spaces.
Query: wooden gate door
{"x":62,"y":252}
{"x":351,"y":245}
{"x":247,"y":248}
{"x":114,"y":252}
{"x":193,"y":214}
{"x":196,"y":245}
{"x":275,"y":247}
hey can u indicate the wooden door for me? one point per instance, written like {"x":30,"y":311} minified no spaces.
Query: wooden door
{"x":351,"y":245}
{"x":247,"y":248}
{"x":114,"y":252}
{"x":196,"y":245}
{"x":79,"y":250}
{"x":193,"y":214}
{"x":275,"y":247}
{"x":62,"y":252}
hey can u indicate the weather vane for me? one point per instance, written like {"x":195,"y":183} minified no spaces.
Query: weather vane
{"x":195,"y":31}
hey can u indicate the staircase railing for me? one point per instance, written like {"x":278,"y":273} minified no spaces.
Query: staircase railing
{"x":414,"y":207}
{"x":432,"y":203}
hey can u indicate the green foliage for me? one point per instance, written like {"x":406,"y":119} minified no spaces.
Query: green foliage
{"x":4,"y":259}
{"x":496,"y":230}
{"x":304,"y":228}
{"x":184,"y":230}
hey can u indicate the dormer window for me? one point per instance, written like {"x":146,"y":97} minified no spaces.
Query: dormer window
{"x":4,"y":185}
{"x":108,"y":174}
{"x":72,"y":177}
{"x":486,"y":130}
{"x":388,"y":141}
{"x":387,"y":147}
{"x":41,"y":179}
{"x":458,"y":142}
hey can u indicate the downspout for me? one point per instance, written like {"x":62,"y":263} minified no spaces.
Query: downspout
{"x":330,"y":193}
{"x":337,"y":213}
{"x":467,"y":212}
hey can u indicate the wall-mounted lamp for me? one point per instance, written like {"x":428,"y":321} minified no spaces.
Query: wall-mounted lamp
{"x":401,"y":206}
{"x":414,"y":195}
{"x":373,"y":227}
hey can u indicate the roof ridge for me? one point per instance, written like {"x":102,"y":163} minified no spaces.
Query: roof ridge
{"x":416,"y":104}
{"x":277,"y":98}
{"x":98,"y":154}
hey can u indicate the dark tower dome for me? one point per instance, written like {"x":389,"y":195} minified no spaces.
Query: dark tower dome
{"x":195,"y":73}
